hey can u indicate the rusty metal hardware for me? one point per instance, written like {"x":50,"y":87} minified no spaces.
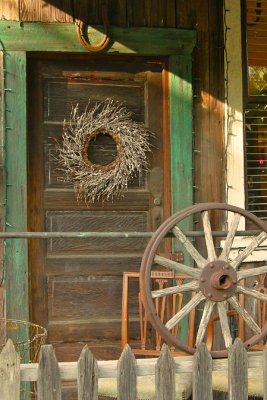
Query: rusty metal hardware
{"x":214,"y":280}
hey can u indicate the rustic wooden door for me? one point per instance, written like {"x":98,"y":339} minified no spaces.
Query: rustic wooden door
{"x":76,"y":283}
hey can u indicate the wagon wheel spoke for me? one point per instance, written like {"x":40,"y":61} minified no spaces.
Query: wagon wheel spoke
{"x":204,"y":321}
{"x":178,"y":233}
{"x":187,"y":287}
{"x":177,"y":267}
{"x":252,"y":292}
{"x":185,"y":310}
{"x":221,"y":306}
{"x":215,"y":277}
{"x":244,"y":314}
{"x":230,"y":238}
{"x":256,"y":241}
{"x":208,"y":236}
{"x":247,"y":273}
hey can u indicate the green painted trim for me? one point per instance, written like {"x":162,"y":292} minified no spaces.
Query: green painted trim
{"x":16,"y":250}
{"x":180,"y":86}
{"x":181,"y":126}
{"x":62,"y":37}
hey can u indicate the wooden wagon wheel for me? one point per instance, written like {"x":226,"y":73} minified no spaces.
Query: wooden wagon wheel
{"x":215,"y":278}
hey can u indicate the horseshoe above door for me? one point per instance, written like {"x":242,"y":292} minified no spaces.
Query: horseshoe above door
{"x":83,"y":37}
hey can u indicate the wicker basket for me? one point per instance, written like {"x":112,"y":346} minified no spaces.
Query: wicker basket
{"x":26,"y":336}
{"x":27,"y":339}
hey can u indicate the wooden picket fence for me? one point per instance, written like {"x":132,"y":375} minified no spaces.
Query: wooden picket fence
{"x":48,"y":373}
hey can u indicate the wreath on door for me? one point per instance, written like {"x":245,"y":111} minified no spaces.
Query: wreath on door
{"x":104,"y":125}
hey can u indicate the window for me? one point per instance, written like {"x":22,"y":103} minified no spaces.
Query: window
{"x":256,"y":109}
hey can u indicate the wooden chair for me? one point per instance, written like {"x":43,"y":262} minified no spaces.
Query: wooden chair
{"x":150,"y":342}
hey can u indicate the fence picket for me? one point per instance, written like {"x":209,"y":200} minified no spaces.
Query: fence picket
{"x":49,"y":373}
{"x":87,"y":375}
{"x":237,"y":371}
{"x":264,"y":355}
{"x":9,"y":372}
{"x":48,"y":376}
{"x":165,"y":375}
{"x":126,"y":375}
{"x":202,"y":374}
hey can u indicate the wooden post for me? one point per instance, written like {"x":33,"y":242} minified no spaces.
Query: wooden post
{"x":9,"y":373}
{"x":202,"y":374}
{"x":265,"y":372}
{"x":237,"y":371}
{"x":165,"y":375}
{"x":48,"y":376}
{"x":126,"y":375}
{"x":87,"y":376}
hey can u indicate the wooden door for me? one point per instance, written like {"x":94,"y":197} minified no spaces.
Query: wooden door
{"x":76,"y":283}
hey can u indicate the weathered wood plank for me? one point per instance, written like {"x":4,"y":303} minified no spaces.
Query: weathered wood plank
{"x":222,"y":311}
{"x":9,"y":10}
{"x":89,"y":13}
{"x":202,"y":374}
{"x":63,"y":38}
{"x":48,"y":378}
{"x":208,"y":236}
{"x":9,"y":373}
{"x":2,"y":187}
{"x":265,"y":373}
{"x":87,"y":373}
{"x":201,"y":262}
{"x":108,"y":369}
{"x":165,"y":375}
{"x":41,"y":10}
{"x":180,"y":77}
{"x":16,"y":185}
{"x":204,"y":321}
{"x":126,"y":375}
{"x":237,"y":371}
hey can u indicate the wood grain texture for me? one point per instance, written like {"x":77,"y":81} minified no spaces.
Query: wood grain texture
{"x":237,"y":371}
{"x":9,"y":10}
{"x":202,"y":374}
{"x":87,"y":373}
{"x":265,"y":372}
{"x":2,"y":182}
{"x":48,"y":380}
{"x":145,"y":366}
{"x":63,"y":38}
{"x":16,"y":192}
{"x":82,"y":278}
{"x":165,"y":375}
{"x":40,"y":10}
{"x":126,"y":375}
{"x":208,"y":107}
{"x":10,"y":368}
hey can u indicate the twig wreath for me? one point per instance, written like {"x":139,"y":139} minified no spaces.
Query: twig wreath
{"x":95,"y":180}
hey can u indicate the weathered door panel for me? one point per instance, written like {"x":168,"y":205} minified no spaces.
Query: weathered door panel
{"x":76,"y":283}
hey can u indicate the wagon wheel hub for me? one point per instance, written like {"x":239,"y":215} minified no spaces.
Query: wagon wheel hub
{"x":218,"y":280}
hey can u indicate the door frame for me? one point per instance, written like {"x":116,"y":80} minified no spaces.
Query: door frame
{"x":17,"y":40}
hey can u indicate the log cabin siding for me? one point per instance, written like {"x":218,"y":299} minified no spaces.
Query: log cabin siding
{"x":206,"y":16}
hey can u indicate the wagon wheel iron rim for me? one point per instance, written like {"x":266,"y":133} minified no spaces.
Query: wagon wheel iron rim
{"x":215,"y":279}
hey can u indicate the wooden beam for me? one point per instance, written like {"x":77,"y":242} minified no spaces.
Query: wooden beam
{"x":16,"y":260}
{"x":58,"y":37}
{"x":181,"y":132}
